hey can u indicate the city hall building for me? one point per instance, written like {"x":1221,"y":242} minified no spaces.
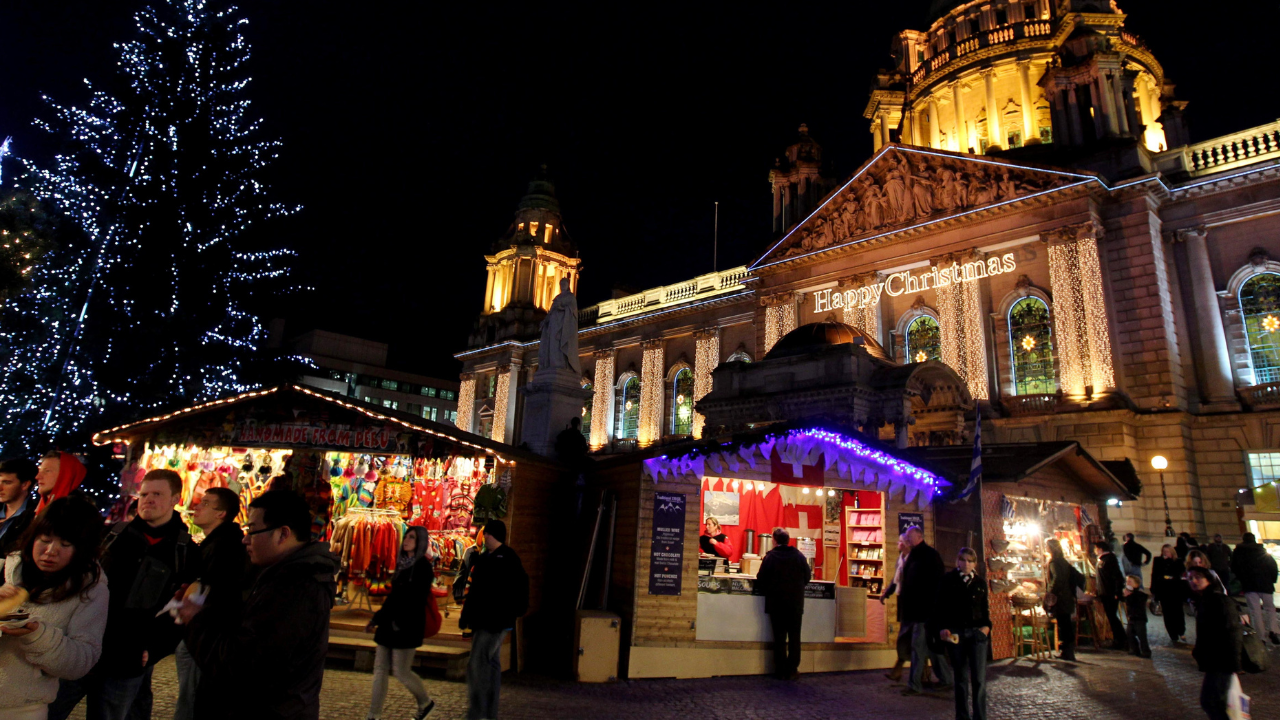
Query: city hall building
{"x":1034,"y":239}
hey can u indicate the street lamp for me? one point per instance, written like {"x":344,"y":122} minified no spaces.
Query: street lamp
{"x":1160,"y":462}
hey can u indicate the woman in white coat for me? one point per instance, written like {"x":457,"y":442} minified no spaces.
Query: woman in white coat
{"x":57,"y":566}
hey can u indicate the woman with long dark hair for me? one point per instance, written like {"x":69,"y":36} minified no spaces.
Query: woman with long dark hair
{"x":401,"y":624}
{"x":57,"y":566}
{"x":1060,"y":600}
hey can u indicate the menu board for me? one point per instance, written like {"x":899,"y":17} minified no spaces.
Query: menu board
{"x":666,"y":552}
{"x":906,"y":520}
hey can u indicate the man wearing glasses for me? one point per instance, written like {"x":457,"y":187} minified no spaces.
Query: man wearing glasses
{"x":266,"y":659}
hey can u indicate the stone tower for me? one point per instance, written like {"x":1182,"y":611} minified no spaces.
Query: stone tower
{"x":798,"y":182}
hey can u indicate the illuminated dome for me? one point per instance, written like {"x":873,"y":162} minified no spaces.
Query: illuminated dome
{"x":821,"y":335}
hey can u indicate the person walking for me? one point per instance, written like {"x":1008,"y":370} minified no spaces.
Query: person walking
{"x":1256,"y":569}
{"x":1110,"y":583}
{"x":265,"y":658}
{"x":921,"y":575}
{"x":17,"y":477}
{"x":223,"y":557}
{"x":1218,"y":641}
{"x":144,"y":562}
{"x":1219,"y":554}
{"x":1170,"y":590}
{"x":499,"y":594}
{"x":1133,"y":555}
{"x":401,"y":624}
{"x":965,"y":625}
{"x":57,"y":564}
{"x":781,"y":579}
{"x":1060,"y":599}
{"x":904,"y":633}
{"x":1135,"y":603}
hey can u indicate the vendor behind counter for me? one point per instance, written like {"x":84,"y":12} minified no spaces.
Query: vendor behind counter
{"x":713,"y":541}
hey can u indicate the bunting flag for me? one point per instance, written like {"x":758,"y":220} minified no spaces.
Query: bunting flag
{"x":975,"y":467}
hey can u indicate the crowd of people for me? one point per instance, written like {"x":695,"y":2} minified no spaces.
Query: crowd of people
{"x":245,"y":612}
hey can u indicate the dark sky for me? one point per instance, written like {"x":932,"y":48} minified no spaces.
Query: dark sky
{"x":411,"y":129}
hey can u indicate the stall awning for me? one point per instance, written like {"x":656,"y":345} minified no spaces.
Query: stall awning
{"x":1015,"y":462}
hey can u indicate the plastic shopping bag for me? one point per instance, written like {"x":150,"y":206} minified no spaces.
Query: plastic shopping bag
{"x":1237,"y":701}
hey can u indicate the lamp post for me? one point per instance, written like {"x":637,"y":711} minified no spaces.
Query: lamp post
{"x":1159,"y":462}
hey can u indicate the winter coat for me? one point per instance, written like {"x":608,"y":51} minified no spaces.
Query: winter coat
{"x":71,"y":473}
{"x":1185,"y":545}
{"x":1219,"y":559}
{"x":1136,"y":554}
{"x":724,"y":549}
{"x":225,"y":564}
{"x":1167,"y":584}
{"x":781,"y":579}
{"x":1135,"y":606}
{"x":65,"y":646}
{"x":14,"y":527}
{"x":144,"y":576}
{"x":962,"y":605}
{"x":921,"y":575}
{"x":1254,"y":567}
{"x":267,"y":659}
{"x":1110,"y":578}
{"x":1218,"y":632}
{"x":499,"y":592}
{"x":402,"y":618}
{"x":1062,"y":587}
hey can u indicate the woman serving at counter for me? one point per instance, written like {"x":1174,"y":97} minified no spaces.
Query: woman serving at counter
{"x":713,"y":540}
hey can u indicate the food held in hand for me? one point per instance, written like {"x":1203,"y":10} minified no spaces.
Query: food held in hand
{"x":13,"y":602}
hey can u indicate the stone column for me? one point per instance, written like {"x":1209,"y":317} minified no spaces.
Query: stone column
{"x":1073,"y":117}
{"x":935,"y":135}
{"x":504,"y":403}
{"x":959,"y":132}
{"x":1028,"y":109}
{"x":488,"y":292}
{"x":994,"y":136}
{"x":875,"y":135}
{"x":1083,"y":341}
{"x":466,"y":401}
{"x":602,"y":402}
{"x":779,"y":318}
{"x":652,"y":392}
{"x":885,"y":138}
{"x":706,"y":357}
{"x":1219,"y":388}
{"x":1117,"y":92}
{"x":1108,"y":97}
{"x":915,"y":127}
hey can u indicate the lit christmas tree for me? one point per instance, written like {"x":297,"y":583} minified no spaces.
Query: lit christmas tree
{"x":164,"y":178}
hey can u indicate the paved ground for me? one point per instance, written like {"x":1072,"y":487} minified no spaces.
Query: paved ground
{"x":1103,"y":686}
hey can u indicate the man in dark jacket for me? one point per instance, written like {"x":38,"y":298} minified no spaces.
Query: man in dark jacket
{"x":1219,"y":559}
{"x":917,"y":599}
{"x":1135,"y":555}
{"x":1218,"y":641}
{"x":499,"y":594}
{"x":1256,"y":570}
{"x":266,"y":659}
{"x":144,"y":561}
{"x":1110,"y":587}
{"x":781,"y":579}
{"x":964,"y":623}
{"x":17,"y":477}
{"x":224,"y":558}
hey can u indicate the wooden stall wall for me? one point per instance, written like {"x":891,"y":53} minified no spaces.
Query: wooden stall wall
{"x":528,"y":533}
{"x":626,"y":484}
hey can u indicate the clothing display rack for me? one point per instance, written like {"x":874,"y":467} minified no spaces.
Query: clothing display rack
{"x":368,"y":541}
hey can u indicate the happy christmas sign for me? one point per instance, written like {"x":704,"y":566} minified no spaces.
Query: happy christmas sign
{"x":905,"y":282}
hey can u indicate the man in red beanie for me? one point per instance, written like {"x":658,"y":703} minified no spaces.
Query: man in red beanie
{"x":60,"y":473}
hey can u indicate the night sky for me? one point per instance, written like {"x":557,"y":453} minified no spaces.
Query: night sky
{"x":411,"y":129}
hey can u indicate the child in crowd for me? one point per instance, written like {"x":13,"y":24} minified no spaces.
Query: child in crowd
{"x":1135,"y":600}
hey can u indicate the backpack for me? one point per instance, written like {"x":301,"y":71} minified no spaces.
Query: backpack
{"x":155,"y":581}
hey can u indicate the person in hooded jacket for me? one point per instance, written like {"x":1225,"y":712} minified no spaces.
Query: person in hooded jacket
{"x":1218,"y":640}
{"x":1256,"y":570}
{"x":401,"y":623}
{"x":266,"y":659}
{"x":59,"y":474}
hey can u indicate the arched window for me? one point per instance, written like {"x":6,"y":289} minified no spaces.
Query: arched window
{"x":682,"y":403}
{"x":631,"y":408}
{"x":586,"y":411}
{"x":739,"y":357}
{"x":1031,"y":348}
{"x":1260,"y":306}
{"x":924,"y":340}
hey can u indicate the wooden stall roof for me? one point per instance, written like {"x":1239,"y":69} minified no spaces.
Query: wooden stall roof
{"x":1014,"y":462}
{"x":342,"y":404}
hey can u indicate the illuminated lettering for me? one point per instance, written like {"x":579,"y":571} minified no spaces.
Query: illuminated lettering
{"x":933,"y":278}
{"x":888,"y":286}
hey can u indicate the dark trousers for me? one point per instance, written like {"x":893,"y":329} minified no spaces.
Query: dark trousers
{"x":1213,"y":694}
{"x":920,"y":653}
{"x":786,"y":641}
{"x":969,"y":668}
{"x":1175,"y":620}
{"x":484,"y":674}
{"x":1066,"y":634}
{"x":1138,"y":644}
{"x":904,"y":642}
{"x":109,"y":698}
{"x":1112,"y":606}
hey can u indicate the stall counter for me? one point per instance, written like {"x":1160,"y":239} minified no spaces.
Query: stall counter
{"x":728,"y":611}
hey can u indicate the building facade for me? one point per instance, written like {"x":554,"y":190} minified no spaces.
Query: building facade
{"x":1034,"y":218}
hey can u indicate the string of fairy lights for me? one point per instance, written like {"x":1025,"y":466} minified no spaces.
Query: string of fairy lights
{"x":652,"y":390}
{"x":500,"y":405}
{"x":466,"y":401}
{"x":603,"y":387}
{"x":164,"y":179}
{"x":779,"y":319}
{"x":706,"y":356}
{"x":1084,"y":347}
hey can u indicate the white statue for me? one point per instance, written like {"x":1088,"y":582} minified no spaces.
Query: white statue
{"x":559,"y":346}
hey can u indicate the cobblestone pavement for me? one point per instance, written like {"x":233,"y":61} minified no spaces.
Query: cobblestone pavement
{"x":1103,"y":686}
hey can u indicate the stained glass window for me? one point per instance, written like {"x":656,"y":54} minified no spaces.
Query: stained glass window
{"x":924,"y":340}
{"x":631,"y":408}
{"x":1260,"y":306}
{"x":1031,"y":347}
{"x":682,"y":397}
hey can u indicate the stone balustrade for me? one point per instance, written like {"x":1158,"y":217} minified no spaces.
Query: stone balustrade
{"x":986,"y":38}
{"x":1261,"y":397}
{"x":1247,"y":147}
{"x":1040,"y":404}
{"x":699,"y":288}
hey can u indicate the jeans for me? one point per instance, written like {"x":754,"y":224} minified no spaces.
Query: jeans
{"x":904,"y":642}
{"x":399,"y":662}
{"x":1112,"y":606}
{"x":1138,"y":644}
{"x":786,"y":642}
{"x":969,"y":663}
{"x":484,"y":674}
{"x":1262,"y":611}
{"x":920,"y":652}
{"x":143,"y":700}
{"x":188,"y":680}
{"x":1213,"y":694}
{"x":1066,"y":633}
{"x":109,"y":698}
